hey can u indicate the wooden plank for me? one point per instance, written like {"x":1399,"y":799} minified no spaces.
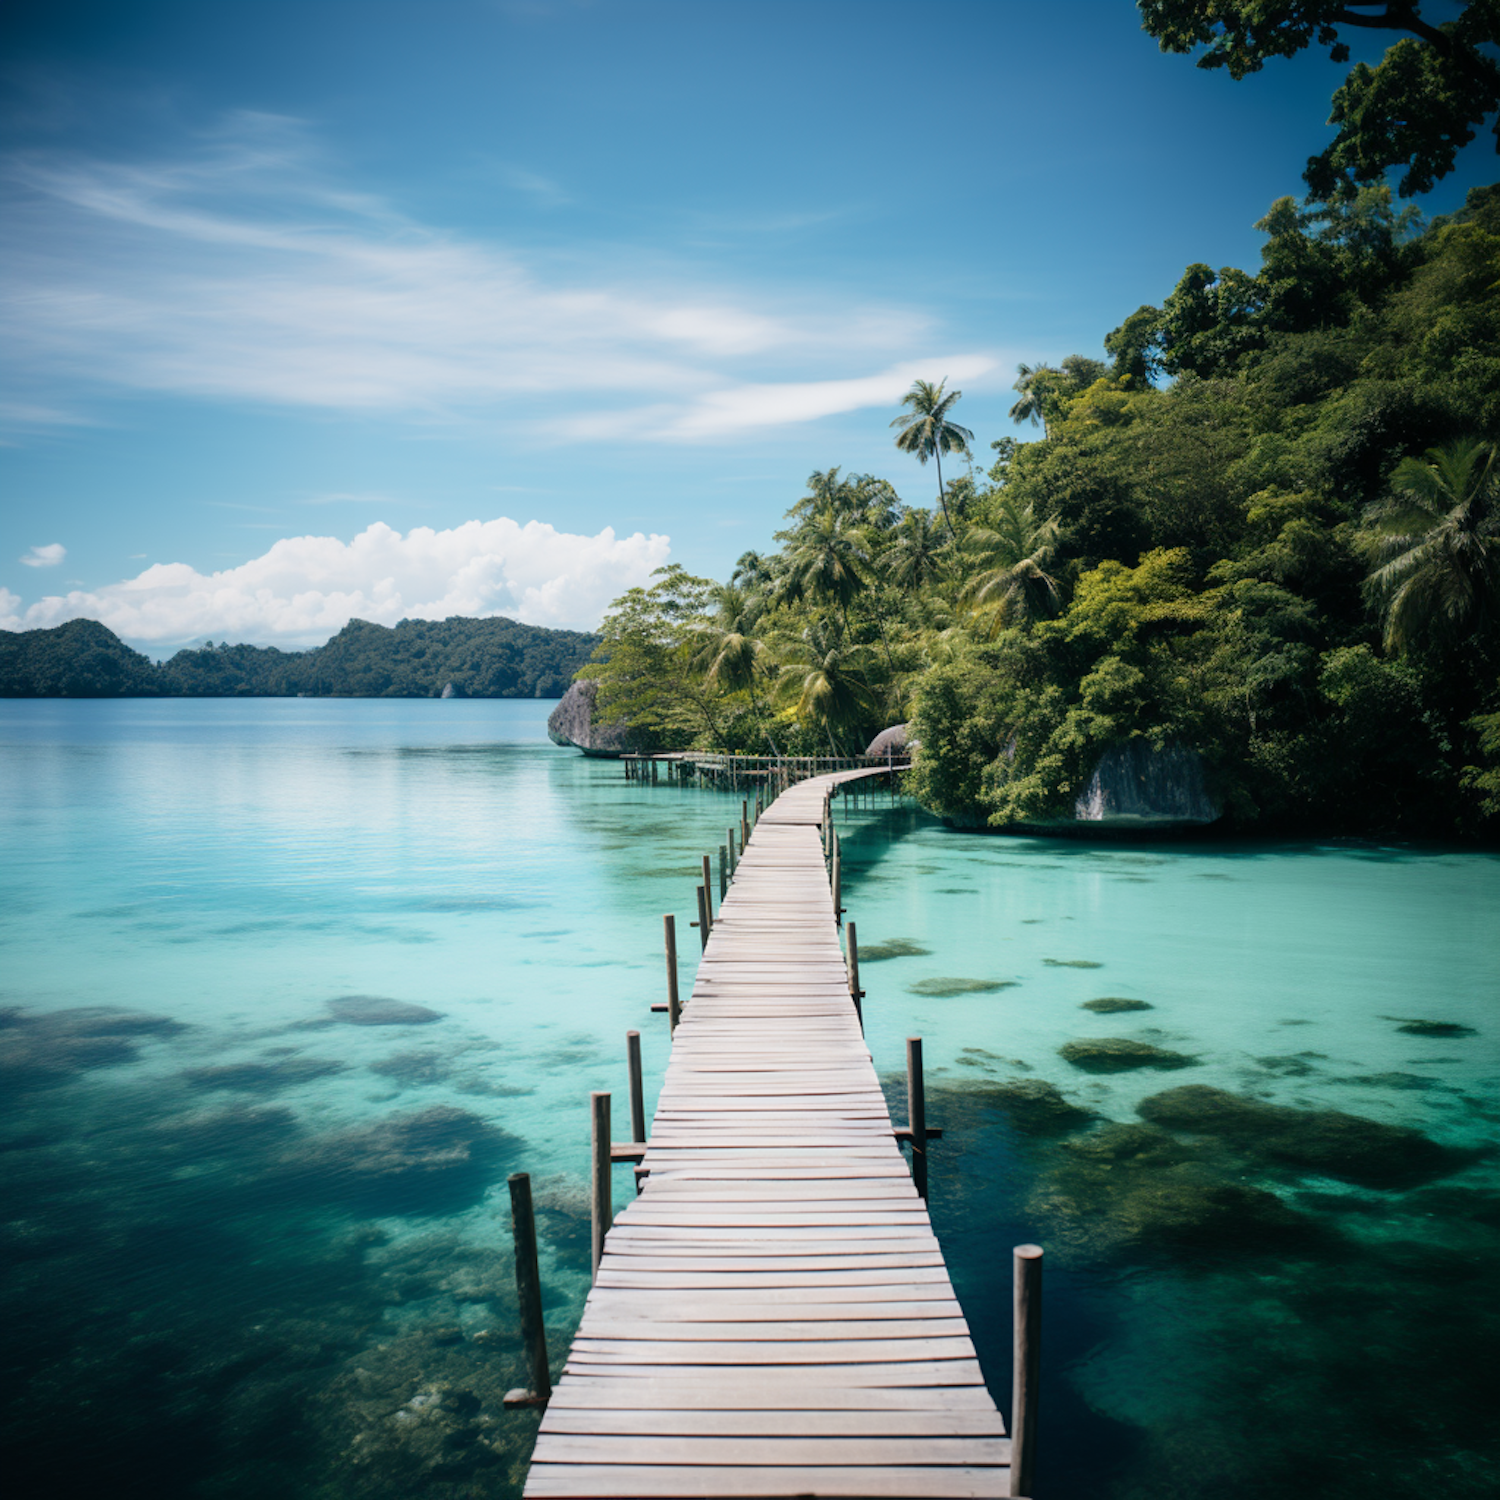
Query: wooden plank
{"x":621,"y":1448}
{"x":936,"y":1372}
{"x":611,"y":1326}
{"x":557,"y":1481}
{"x":792,"y":1390}
{"x":790,"y":1424}
{"x":676,"y":1351}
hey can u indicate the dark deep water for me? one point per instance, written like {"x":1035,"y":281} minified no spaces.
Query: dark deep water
{"x":289,"y":988}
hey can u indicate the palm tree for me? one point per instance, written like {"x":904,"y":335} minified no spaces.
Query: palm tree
{"x":1012,"y":586}
{"x":731,"y":656}
{"x":1436,"y":543}
{"x":927,"y":432}
{"x":915,"y":557}
{"x":826,"y":561}
{"x":1035,"y":385}
{"x":828,"y":684}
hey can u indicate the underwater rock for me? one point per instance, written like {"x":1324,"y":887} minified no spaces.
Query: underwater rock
{"x":377,"y":1010}
{"x":574,"y":722}
{"x":1120,"y":1055}
{"x":1446,"y":1029}
{"x":263,"y":1078}
{"x":1071,"y":963}
{"x":1134,"y":783}
{"x":1291,"y":1065}
{"x":38,"y":1048}
{"x":1110,"y":1005}
{"x":432,"y":1161}
{"x":896,"y":948}
{"x":1123,"y":1185}
{"x":945,"y":987}
{"x":1325,"y":1141}
{"x":413,"y":1067}
{"x":1033,"y":1105}
{"x":1404,"y":1081}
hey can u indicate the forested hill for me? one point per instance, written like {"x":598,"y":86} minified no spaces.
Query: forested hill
{"x":1266,"y":529}
{"x":493,"y":658}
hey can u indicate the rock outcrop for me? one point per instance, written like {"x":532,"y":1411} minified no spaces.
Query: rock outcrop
{"x":573,"y":723}
{"x":1135,"y":783}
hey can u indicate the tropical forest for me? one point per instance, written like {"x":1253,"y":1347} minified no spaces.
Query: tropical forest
{"x":1265,"y":527}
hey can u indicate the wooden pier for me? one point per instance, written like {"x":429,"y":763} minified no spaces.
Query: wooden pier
{"x":771,"y":1316}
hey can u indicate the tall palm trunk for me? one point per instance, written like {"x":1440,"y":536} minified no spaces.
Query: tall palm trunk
{"x":942,"y":498}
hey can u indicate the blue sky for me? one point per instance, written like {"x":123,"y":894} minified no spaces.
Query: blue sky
{"x":491,"y":306}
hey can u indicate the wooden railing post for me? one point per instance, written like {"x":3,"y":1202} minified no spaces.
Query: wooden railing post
{"x":702,"y":923}
{"x":744,"y":823}
{"x":708,"y":905}
{"x":856,"y":994}
{"x":529,"y":1296}
{"x":637,"y":1089}
{"x":838,"y":882}
{"x":600,"y":1202}
{"x":724,"y":870}
{"x":916,"y":1113}
{"x":674,"y":1010}
{"x":1026,"y":1367}
{"x":733,"y":862}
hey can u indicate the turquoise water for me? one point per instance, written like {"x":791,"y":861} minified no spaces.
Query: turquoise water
{"x":293,"y":984}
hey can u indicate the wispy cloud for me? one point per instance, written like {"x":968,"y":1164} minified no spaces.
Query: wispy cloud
{"x":243,"y":271}
{"x":303,"y":589}
{"x":45,"y":557}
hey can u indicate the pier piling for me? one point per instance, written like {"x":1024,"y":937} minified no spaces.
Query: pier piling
{"x":529,"y":1296}
{"x":600,"y":1201}
{"x":1026,"y":1366}
{"x":916,"y":1114}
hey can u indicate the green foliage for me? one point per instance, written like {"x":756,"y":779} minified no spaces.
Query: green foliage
{"x":1416,"y":109}
{"x":492,"y":658}
{"x":82,"y":659}
{"x":1250,"y":561}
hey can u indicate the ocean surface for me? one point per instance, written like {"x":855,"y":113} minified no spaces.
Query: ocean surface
{"x":290,"y":986}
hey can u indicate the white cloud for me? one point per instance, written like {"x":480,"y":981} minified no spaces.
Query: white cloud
{"x":242,"y":273}
{"x":306,"y":588}
{"x":45,"y":557}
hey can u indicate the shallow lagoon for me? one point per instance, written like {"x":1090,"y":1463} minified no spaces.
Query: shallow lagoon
{"x":363,"y":958}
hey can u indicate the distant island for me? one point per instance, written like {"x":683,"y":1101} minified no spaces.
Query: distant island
{"x":457,"y":657}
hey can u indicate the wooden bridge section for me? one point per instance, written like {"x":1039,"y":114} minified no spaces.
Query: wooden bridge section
{"x":772,"y":1315}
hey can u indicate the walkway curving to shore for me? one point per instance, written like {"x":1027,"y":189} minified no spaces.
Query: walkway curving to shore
{"x":772,"y":1315}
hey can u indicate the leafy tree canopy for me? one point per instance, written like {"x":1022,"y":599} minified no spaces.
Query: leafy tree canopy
{"x":1415,"y":110}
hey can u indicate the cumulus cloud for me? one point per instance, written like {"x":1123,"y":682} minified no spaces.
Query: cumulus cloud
{"x":306,"y":588}
{"x":45,"y":557}
{"x":242,"y":271}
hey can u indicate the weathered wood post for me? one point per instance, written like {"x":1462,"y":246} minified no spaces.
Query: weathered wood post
{"x":653,"y":770}
{"x":674,"y":1010}
{"x":637,"y":1091}
{"x":733,"y":859}
{"x":855,"y":993}
{"x":744,"y":823}
{"x":702,"y":923}
{"x":916,"y":1114}
{"x":708,"y":887}
{"x":600,"y":1204}
{"x":723,"y":871}
{"x":1026,"y":1367}
{"x":528,"y":1295}
{"x":838,"y":883}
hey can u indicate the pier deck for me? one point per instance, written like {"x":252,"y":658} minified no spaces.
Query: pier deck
{"x":772,"y":1315}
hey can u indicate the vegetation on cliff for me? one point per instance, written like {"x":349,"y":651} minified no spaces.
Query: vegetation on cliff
{"x":1267,"y":527}
{"x":490,"y":658}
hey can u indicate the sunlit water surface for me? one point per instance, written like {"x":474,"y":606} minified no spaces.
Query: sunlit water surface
{"x":294,"y":984}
